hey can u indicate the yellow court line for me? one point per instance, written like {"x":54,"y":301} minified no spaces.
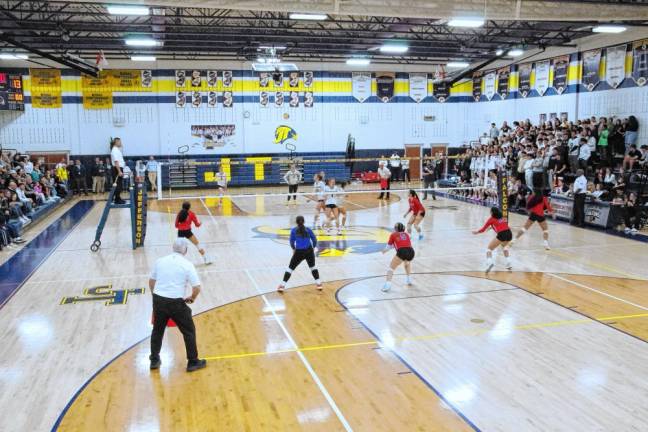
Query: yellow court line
{"x":600,"y":266}
{"x":468,"y":332}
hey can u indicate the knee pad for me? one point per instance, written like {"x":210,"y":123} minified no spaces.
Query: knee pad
{"x":313,"y":268}
{"x":390,"y":271}
{"x":288,"y":270}
{"x":506,"y":248}
{"x":523,"y":230}
{"x":545,"y":231}
{"x":488,"y":251}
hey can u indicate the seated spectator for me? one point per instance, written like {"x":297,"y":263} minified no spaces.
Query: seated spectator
{"x":633,"y":156}
{"x":630,"y":218}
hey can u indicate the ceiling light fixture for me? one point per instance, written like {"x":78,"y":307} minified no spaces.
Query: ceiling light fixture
{"x":12,"y":56}
{"x":127,"y":10}
{"x":358,"y":61}
{"x":143,"y":58}
{"x":142,"y":42}
{"x":516,"y":52}
{"x":466,"y":22}
{"x":499,"y":52}
{"x":393,"y":49}
{"x":310,"y":17}
{"x":457,"y":64}
{"x":609,"y":29}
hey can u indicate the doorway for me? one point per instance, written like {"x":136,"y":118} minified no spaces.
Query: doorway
{"x":414,"y":151}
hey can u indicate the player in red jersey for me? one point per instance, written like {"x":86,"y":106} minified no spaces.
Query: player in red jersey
{"x":536,"y":206}
{"x":502,"y":238}
{"x":183,"y":222}
{"x":418,"y":213}
{"x":400,"y":240}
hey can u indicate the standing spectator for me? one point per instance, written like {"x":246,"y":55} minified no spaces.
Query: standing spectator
{"x":98,"y":176}
{"x":384,"y":174}
{"x":574,"y":151}
{"x":602,"y":147}
{"x":406,"y":170}
{"x":584,"y":154}
{"x":61,"y":171}
{"x":580,"y":192}
{"x":395,"y":165}
{"x":168,"y":283}
{"x":631,"y":132}
{"x":109,"y":177}
{"x":79,"y":178}
{"x":494,"y":132}
{"x":428,"y":179}
{"x":151,"y":170}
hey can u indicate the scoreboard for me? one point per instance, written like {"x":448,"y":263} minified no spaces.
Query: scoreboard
{"x":11,"y":92}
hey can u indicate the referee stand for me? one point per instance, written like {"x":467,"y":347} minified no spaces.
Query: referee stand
{"x":137,"y":203}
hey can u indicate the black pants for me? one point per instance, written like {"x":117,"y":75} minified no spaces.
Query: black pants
{"x":630,"y":218}
{"x":300,"y":255}
{"x":396,"y":172}
{"x":406,"y":175}
{"x":578,"y":216}
{"x":428,"y":183}
{"x":292,"y":189}
{"x":80,"y":183}
{"x":120,"y":184}
{"x":382,"y":189}
{"x":176,"y":309}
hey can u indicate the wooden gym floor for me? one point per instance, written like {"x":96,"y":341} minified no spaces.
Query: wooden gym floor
{"x":557,"y":344}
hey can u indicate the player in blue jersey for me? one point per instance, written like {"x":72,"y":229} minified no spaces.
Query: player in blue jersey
{"x":303,"y":242}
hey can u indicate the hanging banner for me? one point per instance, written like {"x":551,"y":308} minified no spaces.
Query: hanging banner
{"x":126,"y":80}
{"x":278,"y":80}
{"x":196,"y":99}
{"x":524,"y":76}
{"x":309,"y":99}
{"x":489,"y":85}
{"x":181,"y":99}
{"x":293,"y":79}
{"x":418,"y":86}
{"x":212,"y":78}
{"x":308,"y":79}
{"x":441,"y":91}
{"x":264,"y":99}
{"x":101,"y":82}
{"x":385,"y":85}
{"x":640,"y":62}
{"x":542,"y":69}
{"x":196,"y":78}
{"x":97,"y":99}
{"x":228,"y":99}
{"x":294,"y":99}
{"x":146,"y":78}
{"x":279,"y":99}
{"x":46,"y":88}
{"x":560,"y":69}
{"x":477,"y":85}
{"x":228,"y":78}
{"x":212,"y":99}
{"x":615,"y":65}
{"x":361,"y":83}
{"x":180,"y":78}
{"x":503,"y":75}
{"x":591,"y":64}
{"x":264,"y":79}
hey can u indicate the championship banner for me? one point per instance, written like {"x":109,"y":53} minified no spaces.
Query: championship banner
{"x":279,"y":99}
{"x":309,"y":99}
{"x":524,"y":74}
{"x":196,"y":99}
{"x":293,"y":102}
{"x":278,"y":80}
{"x":264,"y":79}
{"x":181,"y":78}
{"x":212,"y":78}
{"x":489,"y":85}
{"x":591,"y":65}
{"x":196,"y":78}
{"x":385,"y":85}
{"x":126,"y":80}
{"x":212,"y":99}
{"x":560,"y":68}
{"x":418,"y":86}
{"x":361,"y":83}
{"x":477,"y":84}
{"x":503,"y":75}
{"x":293,"y":79}
{"x":542,"y":76}
{"x":228,"y":99}
{"x":308,"y":79}
{"x":264,"y":99}
{"x":97,"y":99}
{"x":441,"y":91}
{"x":228,"y":77}
{"x":46,"y":88}
{"x":503,"y":193}
{"x":615,"y":65}
{"x":147,"y":78}
{"x":181,"y":99}
{"x":640,"y":62}
{"x":101,"y":82}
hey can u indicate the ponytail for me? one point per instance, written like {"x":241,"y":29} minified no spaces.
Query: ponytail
{"x":184,"y":213}
{"x":301,"y":229}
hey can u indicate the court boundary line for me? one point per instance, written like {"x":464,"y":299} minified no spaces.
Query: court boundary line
{"x":578,"y":284}
{"x":302,"y":357}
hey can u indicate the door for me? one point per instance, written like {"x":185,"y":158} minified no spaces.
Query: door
{"x":414,"y":151}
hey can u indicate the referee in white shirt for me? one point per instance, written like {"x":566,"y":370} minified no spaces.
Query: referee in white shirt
{"x":118,"y":165}
{"x":580,"y":192}
{"x":168,"y":283}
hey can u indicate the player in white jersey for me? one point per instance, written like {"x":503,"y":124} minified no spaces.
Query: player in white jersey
{"x":318,"y":189}
{"x":341,"y":206}
{"x":331,"y":204}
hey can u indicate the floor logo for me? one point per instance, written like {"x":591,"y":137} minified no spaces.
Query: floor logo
{"x":104,"y":293}
{"x":356,"y":240}
{"x":284,"y":133}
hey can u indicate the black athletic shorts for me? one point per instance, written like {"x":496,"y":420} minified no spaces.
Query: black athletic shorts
{"x":185,"y":233}
{"x":535,"y":218}
{"x":405,"y":253}
{"x":331,"y":206}
{"x":505,"y":236}
{"x":422,"y":214}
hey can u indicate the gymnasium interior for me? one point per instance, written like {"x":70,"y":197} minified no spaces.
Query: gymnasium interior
{"x":324,"y":215}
